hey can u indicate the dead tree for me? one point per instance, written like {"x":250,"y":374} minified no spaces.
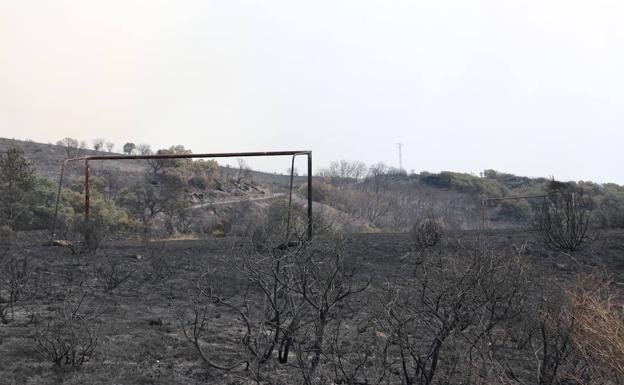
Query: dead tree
{"x":270,"y":270}
{"x":358,"y":355}
{"x":243,"y":173}
{"x":304,"y":288}
{"x":72,"y":147}
{"x":564,"y":222}
{"x":326,"y":280}
{"x":441,"y":321}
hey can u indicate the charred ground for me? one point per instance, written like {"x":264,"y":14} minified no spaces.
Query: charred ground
{"x":140,"y":339}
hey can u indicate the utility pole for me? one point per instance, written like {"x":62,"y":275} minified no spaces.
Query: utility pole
{"x":400,"y":145}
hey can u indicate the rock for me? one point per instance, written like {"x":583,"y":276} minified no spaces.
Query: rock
{"x":62,"y":243}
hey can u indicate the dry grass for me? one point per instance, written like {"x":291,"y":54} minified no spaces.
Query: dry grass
{"x":179,"y":237}
{"x":599,"y":318}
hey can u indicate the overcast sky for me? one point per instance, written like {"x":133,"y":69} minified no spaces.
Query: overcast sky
{"x":529,"y":87}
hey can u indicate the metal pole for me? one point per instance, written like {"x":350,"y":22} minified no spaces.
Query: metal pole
{"x":309,"y":196}
{"x":87,"y":190}
{"x":292,"y":175}
{"x":483,"y":203}
{"x":58,"y":198}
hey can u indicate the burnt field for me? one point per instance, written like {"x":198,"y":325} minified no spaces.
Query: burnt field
{"x":479,"y":307}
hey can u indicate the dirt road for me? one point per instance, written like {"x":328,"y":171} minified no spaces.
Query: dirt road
{"x":238,"y":200}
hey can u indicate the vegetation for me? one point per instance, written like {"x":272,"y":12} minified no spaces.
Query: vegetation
{"x":68,"y":337}
{"x":17,"y":178}
{"x":28,"y":201}
{"x":73,"y":148}
{"x":381,"y":197}
{"x":431,"y":306}
{"x":427,"y":233}
{"x":18,"y":285}
{"x":599,"y":333}
{"x":565,"y":219}
{"x":389,"y":199}
{"x":129,"y":148}
{"x":98,"y":144}
{"x":456,"y":312}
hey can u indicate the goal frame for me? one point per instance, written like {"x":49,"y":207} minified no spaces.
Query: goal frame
{"x":90,"y":158}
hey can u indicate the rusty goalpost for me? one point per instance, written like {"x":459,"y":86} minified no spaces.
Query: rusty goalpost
{"x":90,"y":158}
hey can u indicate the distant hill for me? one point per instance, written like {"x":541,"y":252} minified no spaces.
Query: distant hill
{"x":48,"y":158}
{"x":391,"y":201}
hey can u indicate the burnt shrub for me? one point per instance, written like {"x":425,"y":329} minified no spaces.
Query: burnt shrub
{"x":69,"y":335}
{"x":427,"y":233}
{"x":565,"y":220}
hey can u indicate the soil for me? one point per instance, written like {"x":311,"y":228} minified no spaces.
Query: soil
{"x":140,"y":339}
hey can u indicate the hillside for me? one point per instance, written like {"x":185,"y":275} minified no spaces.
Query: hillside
{"x":189,"y":275}
{"x":48,"y":158}
{"x":226,"y":204}
{"x":387,"y":200}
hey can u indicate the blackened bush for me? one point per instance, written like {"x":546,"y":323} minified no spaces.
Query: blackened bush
{"x":427,"y":233}
{"x":68,"y":337}
{"x":18,"y":284}
{"x":112,"y":273}
{"x":564,"y":222}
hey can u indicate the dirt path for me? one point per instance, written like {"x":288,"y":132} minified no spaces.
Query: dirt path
{"x":238,"y":200}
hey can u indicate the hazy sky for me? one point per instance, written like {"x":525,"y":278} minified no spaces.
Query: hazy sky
{"x":530,"y":87}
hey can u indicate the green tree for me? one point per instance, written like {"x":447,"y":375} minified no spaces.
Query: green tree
{"x":128,"y":148}
{"x":17,"y":177}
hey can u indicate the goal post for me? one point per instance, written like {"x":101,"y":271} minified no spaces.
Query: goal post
{"x":90,"y":158}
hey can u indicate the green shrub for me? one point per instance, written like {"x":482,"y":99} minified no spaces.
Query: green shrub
{"x":321,"y":192}
{"x":515,"y":210}
{"x":17,"y":178}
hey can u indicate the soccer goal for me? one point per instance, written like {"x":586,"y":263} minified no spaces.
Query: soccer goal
{"x":89,"y":160}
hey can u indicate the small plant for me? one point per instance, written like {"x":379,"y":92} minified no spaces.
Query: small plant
{"x":195,"y":322}
{"x":159,"y":267}
{"x":111,"y":274}
{"x":427,"y":233}
{"x":17,"y":285}
{"x":68,"y":337}
{"x":218,"y":233}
